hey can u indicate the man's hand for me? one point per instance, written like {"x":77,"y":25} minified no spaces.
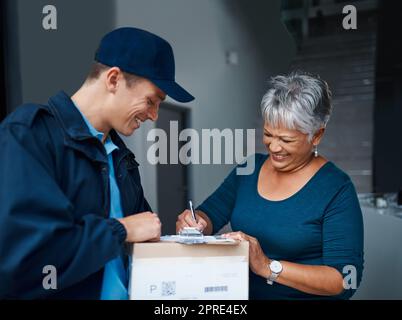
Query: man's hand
{"x":185,"y":219}
{"x":142,"y":227}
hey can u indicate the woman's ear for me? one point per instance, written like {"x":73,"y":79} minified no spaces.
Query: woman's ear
{"x":318,"y":136}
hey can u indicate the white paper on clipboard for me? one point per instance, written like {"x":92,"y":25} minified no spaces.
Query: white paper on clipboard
{"x":198,"y":240}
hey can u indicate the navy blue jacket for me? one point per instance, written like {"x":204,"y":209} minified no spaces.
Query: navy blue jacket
{"x":54,"y":202}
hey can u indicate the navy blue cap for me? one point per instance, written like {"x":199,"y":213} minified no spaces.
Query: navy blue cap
{"x":144,"y":54}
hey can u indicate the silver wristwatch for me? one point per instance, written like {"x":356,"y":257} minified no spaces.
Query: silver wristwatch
{"x":276,"y":269}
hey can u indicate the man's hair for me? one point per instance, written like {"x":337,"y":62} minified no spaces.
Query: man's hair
{"x":98,"y":68}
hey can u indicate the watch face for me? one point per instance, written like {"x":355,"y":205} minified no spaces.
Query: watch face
{"x":276,"y":266}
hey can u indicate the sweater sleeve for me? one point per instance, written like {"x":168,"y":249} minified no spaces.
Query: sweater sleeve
{"x":219,"y":205}
{"x":343,"y":237}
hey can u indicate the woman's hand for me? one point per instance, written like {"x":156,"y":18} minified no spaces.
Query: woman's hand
{"x":257,"y":259}
{"x":185,"y":219}
{"x":312,"y":279}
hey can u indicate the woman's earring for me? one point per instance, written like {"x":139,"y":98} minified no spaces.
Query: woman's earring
{"x":315,"y":151}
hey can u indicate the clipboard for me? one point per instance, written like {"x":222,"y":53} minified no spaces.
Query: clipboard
{"x":193,"y":236}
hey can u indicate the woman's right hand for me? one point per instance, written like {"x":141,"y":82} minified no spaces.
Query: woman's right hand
{"x":185,"y":219}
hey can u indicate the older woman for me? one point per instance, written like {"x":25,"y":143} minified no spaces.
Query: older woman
{"x":299,"y":211}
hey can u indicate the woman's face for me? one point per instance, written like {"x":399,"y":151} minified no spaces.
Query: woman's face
{"x":289,"y":149}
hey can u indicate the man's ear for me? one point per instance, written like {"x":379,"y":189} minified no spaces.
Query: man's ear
{"x":112,"y":79}
{"x":318,"y":136}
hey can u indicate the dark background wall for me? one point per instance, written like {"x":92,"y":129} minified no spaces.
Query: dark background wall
{"x":388,"y":107}
{"x":40,"y":62}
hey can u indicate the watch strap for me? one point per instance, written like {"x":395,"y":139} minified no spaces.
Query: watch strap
{"x":272,"y":278}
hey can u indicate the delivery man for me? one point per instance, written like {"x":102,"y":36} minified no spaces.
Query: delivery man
{"x":70,"y":191}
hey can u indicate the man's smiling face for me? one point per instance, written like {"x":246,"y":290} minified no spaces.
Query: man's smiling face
{"x":134,"y":103}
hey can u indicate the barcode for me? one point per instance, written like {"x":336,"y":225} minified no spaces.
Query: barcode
{"x":216,"y":289}
{"x":168,"y":288}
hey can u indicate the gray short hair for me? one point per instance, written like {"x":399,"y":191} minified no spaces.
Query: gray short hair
{"x":298,"y":101}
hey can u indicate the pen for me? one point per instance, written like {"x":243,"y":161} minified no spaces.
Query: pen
{"x":192,"y":210}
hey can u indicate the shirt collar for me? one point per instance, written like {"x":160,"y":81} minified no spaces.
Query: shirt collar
{"x":109,"y":145}
{"x":73,"y":123}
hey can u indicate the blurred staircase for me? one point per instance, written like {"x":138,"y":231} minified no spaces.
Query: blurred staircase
{"x":347,"y":62}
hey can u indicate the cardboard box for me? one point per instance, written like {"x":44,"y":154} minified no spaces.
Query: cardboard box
{"x":171,"y":271}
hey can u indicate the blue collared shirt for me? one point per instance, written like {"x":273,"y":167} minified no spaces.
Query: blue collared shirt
{"x":115,"y":282}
